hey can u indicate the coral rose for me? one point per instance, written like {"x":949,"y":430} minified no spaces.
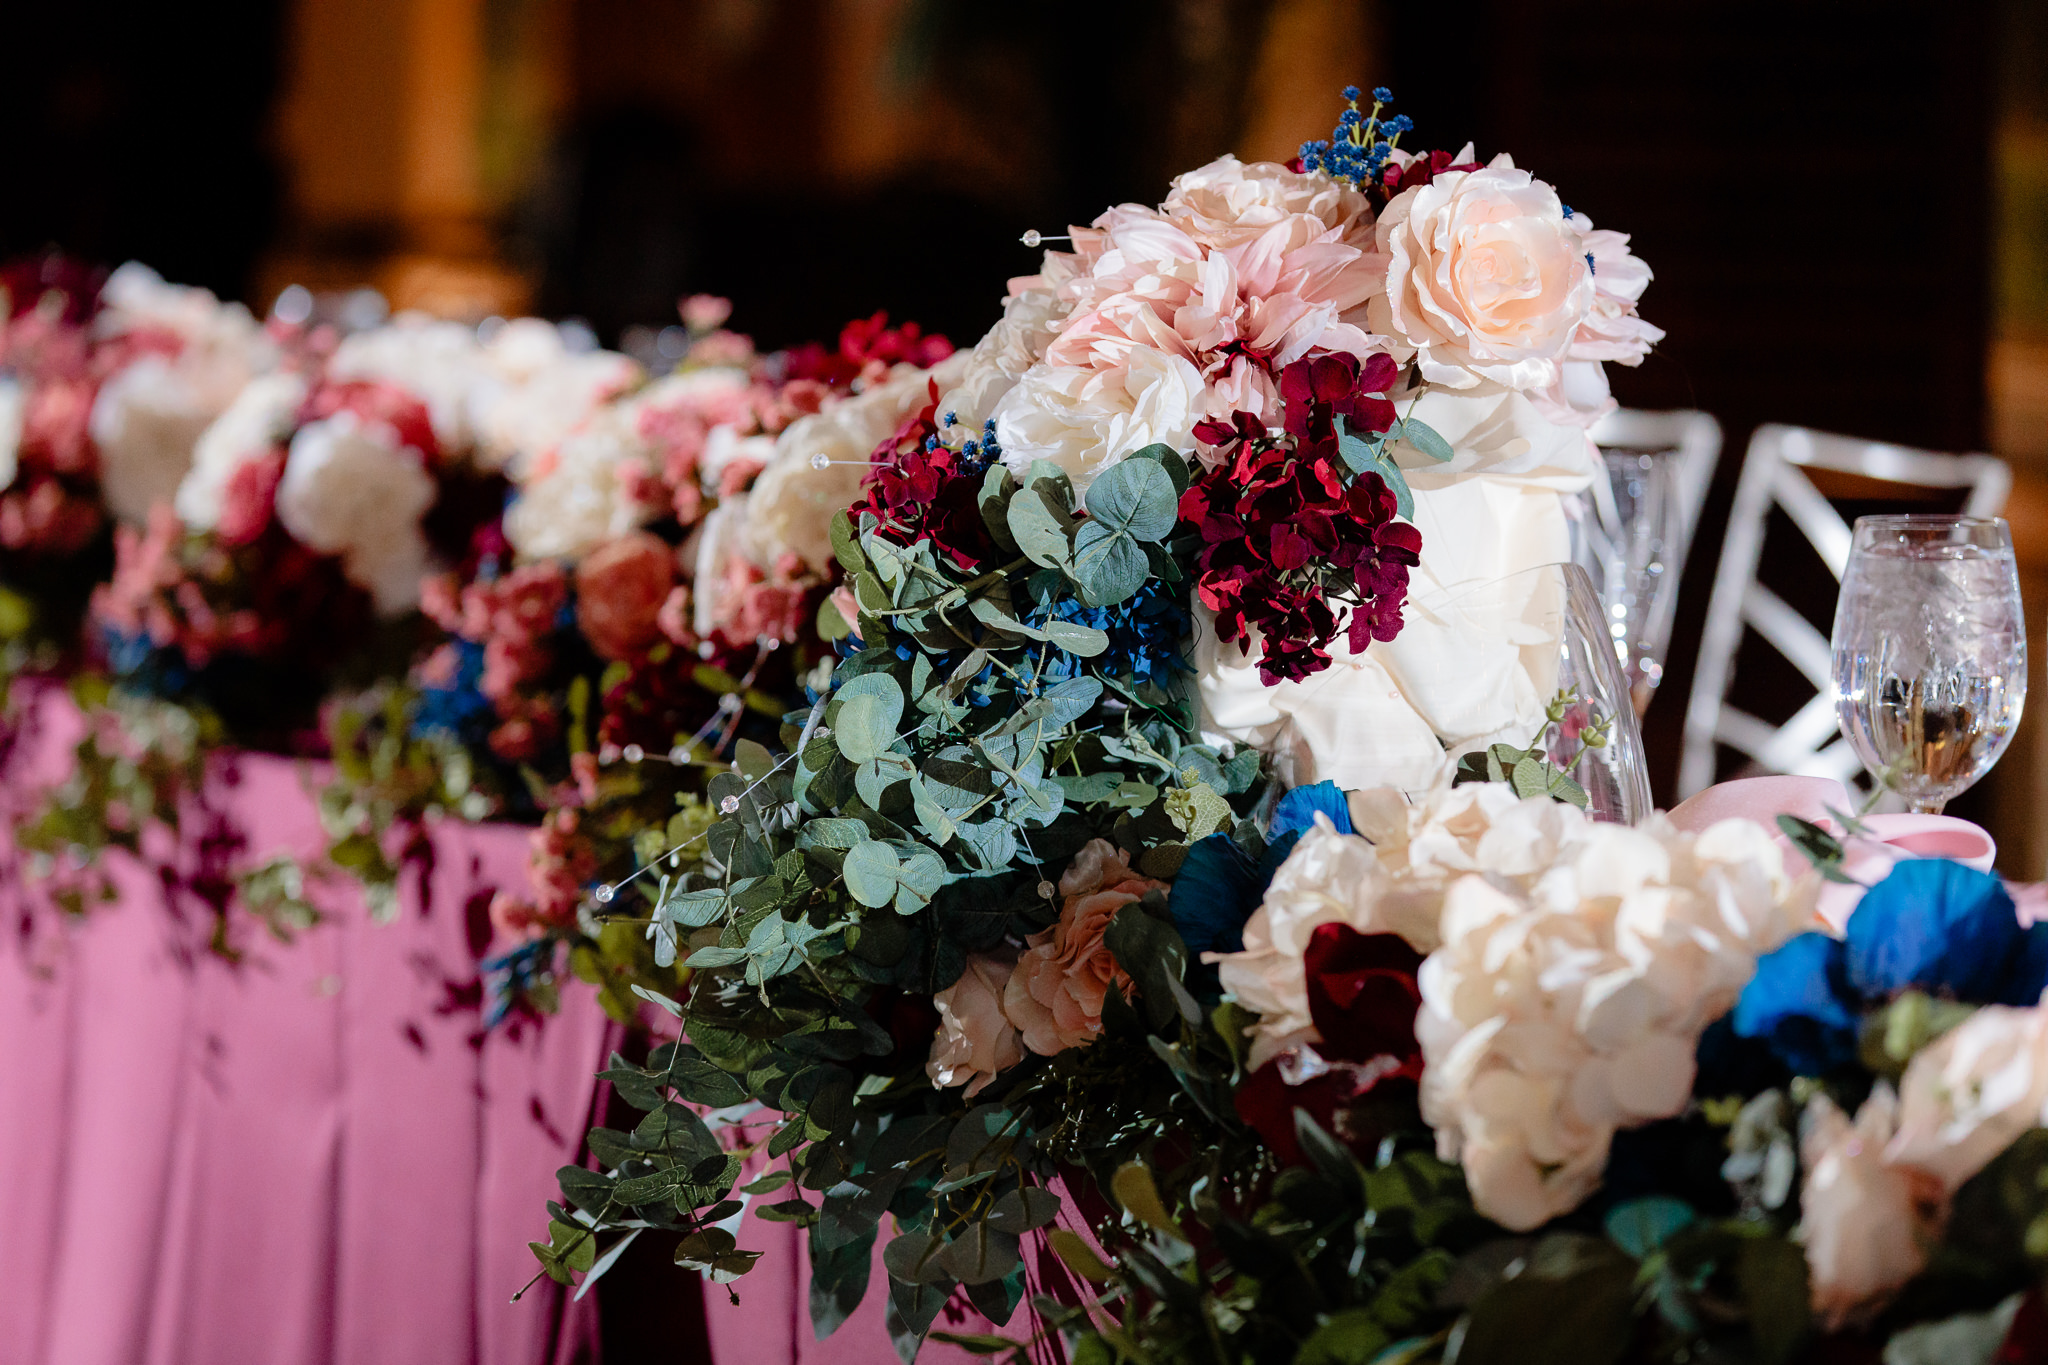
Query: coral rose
{"x":975,"y":1039}
{"x":1055,"y":996}
{"x":619,"y":591}
{"x":1487,"y":279}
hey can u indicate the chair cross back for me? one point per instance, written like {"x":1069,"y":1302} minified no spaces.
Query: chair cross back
{"x":1776,"y":473}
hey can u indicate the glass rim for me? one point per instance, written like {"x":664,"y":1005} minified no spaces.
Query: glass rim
{"x":1928,"y":520}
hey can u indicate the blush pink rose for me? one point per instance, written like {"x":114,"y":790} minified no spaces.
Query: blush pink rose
{"x":1866,"y":1223}
{"x":1486,"y":278}
{"x":975,"y":1039}
{"x":620,"y":587}
{"x":1055,"y":996}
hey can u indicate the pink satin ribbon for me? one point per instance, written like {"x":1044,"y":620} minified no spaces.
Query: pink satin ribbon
{"x":1887,"y":838}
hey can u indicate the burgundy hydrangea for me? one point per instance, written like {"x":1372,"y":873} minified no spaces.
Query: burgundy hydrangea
{"x":866,"y":344}
{"x":922,"y":489}
{"x":1289,"y":533}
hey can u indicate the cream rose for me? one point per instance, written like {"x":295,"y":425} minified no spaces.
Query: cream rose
{"x":791,"y":506}
{"x":439,"y":362}
{"x":975,"y":1039}
{"x":1486,"y":279}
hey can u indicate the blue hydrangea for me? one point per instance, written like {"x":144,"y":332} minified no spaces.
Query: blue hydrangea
{"x":460,"y":708}
{"x":1145,"y":634}
{"x":1932,"y":925}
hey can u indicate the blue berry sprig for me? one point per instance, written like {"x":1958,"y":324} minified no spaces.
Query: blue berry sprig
{"x":975,"y":455}
{"x":1361,"y":144}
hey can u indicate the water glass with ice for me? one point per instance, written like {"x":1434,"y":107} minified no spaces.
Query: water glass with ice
{"x":1930,"y":652}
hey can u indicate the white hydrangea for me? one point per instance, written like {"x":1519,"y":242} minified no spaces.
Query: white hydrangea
{"x":1580,"y":963}
{"x":148,"y":416}
{"x":351,"y":489}
{"x":1572,"y":967}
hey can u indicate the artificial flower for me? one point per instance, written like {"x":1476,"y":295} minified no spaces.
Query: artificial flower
{"x":1363,"y":997}
{"x":1970,"y":1093}
{"x":620,"y":589}
{"x":1932,"y":925}
{"x":1865,"y":1223}
{"x":1486,"y":279}
{"x":350,"y":489}
{"x":1055,"y":996}
{"x":976,"y":1039}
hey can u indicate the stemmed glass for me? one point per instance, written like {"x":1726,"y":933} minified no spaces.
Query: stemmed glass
{"x":1930,"y":652}
{"x":1524,"y":641}
{"x":1632,"y":541}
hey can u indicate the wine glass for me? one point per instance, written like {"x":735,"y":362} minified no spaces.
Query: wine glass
{"x":1522,"y":645}
{"x":1930,"y":652}
{"x":1631,"y":542}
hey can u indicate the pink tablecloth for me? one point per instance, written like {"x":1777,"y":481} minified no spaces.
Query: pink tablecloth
{"x":313,"y":1157}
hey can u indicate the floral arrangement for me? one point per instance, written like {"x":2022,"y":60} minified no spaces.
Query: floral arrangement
{"x":1048,"y":806}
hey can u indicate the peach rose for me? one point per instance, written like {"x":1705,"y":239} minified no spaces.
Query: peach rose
{"x":619,"y":591}
{"x":975,"y":1040}
{"x":1055,"y":996}
{"x":1866,"y":1224}
{"x":1486,"y":278}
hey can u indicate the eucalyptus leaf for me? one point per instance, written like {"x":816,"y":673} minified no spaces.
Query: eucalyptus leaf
{"x":1423,"y":439}
{"x":1136,"y":497}
{"x":870,"y":708}
{"x":870,"y":871}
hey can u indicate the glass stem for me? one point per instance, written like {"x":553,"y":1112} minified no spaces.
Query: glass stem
{"x":1924,"y":807}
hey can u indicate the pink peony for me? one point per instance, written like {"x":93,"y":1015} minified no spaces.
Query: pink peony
{"x":620,"y":589}
{"x":1866,"y":1224}
{"x":1055,"y":996}
{"x":975,"y":1039}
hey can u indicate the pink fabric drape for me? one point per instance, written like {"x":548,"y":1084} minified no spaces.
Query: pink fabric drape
{"x":310,"y":1157}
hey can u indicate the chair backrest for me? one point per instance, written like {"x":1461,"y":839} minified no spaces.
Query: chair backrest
{"x":1694,"y":436}
{"x":1774,"y":475}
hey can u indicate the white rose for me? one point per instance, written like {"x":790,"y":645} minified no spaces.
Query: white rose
{"x":534,"y":388}
{"x":1486,"y":280}
{"x":793,"y":502}
{"x":718,"y":540}
{"x":350,"y":489}
{"x":260,"y":419}
{"x":1971,"y":1092}
{"x":1084,"y":420}
{"x":147,"y":417}
{"x":145,"y":421}
{"x":1030,"y":321}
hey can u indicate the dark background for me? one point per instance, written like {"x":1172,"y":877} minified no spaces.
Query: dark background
{"x":1814,"y":182}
